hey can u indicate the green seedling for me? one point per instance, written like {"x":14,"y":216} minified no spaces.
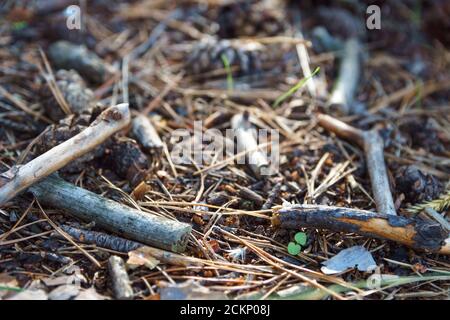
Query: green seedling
{"x":226,"y":64}
{"x":294,"y":248}
{"x":294,"y":89}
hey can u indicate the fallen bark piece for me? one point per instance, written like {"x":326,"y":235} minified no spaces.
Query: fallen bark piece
{"x":20,"y":178}
{"x":349,"y":74}
{"x":113,"y":216}
{"x":353,"y":257}
{"x":413,"y":232}
{"x":120,"y":280}
{"x":146,"y":134}
{"x":373,"y":146}
{"x":246,"y":141}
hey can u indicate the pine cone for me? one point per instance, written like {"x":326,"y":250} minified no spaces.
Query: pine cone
{"x":249,"y":19}
{"x":74,"y":90}
{"x":207,"y":56}
{"x":417,"y":186}
{"x":127,"y":160}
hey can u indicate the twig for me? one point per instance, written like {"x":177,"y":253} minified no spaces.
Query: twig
{"x":372,"y":143}
{"x":349,"y":74}
{"x":412,"y":232}
{"x":146,"y":134}
{"x":120,"y":280}
{"x":18,"y":179}
{"x":123,"y":245}
{"x":113,"y":216}
{"x":246,"y":140}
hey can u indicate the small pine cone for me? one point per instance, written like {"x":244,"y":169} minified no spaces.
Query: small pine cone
{"x":249,"y":19}
{"x":417,"y":186}
{"x":127,"y":160}
{"x":74,"y":90}
{"x":207,"y":56}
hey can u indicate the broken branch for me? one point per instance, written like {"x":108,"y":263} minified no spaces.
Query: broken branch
{"x":146,"y":134}
{"x":412,"y":232}
{"x":372,"y":144}
{"x":246,"y":141}
{"x":20,"y":178}
{"x":113,"y":216}
{"x":120,"y":280}
{"x":349,"y":73}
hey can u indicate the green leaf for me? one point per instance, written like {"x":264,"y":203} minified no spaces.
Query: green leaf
{"x":300,"y":238}
{"x":293,"y":248}
{"x":294,"y":89}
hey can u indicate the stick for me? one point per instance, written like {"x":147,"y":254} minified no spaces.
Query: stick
{"x":373,"y":147}
{"x":412,"y":232}
{"x":113,"y":216}
{"x":124,"y":245}
{"x":20,"y":178}
{"x":120,"y":280}
{"x":146,"y":134}
{"x":246,"y":140}
{"x":349,"y":74}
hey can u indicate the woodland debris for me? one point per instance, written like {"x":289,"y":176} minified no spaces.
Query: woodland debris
{"x":74,"y":91}
{"x":20,"y":178}
{"x":413,"y":232}
{"x":116,"y":243}
{"x":353,"y":257}
{"x":246,"y":141}
{"x":127,"y":160}
{"x":66,"y":55}
{"x":208,"y":55}
{"x":146,"y":134}
{"x":120,"y":280}
{"x":373,"y":146}
{"x":348,"y":79}
{"x":113,"y":216}
{"x":416,"y":185}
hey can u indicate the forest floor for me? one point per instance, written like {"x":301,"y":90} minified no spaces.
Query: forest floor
{"x":193,"y":66}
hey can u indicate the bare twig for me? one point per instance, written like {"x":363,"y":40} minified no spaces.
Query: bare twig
{"x":349,"y":73}
{"x":18,"y":179}
{"x":412,"y":232}
{"x":246,"y":140}
{"x":372,"y":143}
{"x":146,"y":134}
{"x":113,"y":216}
{"x":120,"y":280}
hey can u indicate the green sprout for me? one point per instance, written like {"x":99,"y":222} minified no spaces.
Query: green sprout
{"x":20,"y":25}
{"x":294,"y":248}
{"x":294,"y":89}
{"x":227,"y":66}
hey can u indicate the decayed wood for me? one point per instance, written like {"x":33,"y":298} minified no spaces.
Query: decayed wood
{"x":349,"y":74}
{"x":246,"y":141}
{"x":413,"y":232}
{"x":372,"y":144}
{"x":18,"y":179}
{"x":146,"y":134}
{"x":113,"y":216}
{"x":120,"y":280}
{"x":124,"y":245}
